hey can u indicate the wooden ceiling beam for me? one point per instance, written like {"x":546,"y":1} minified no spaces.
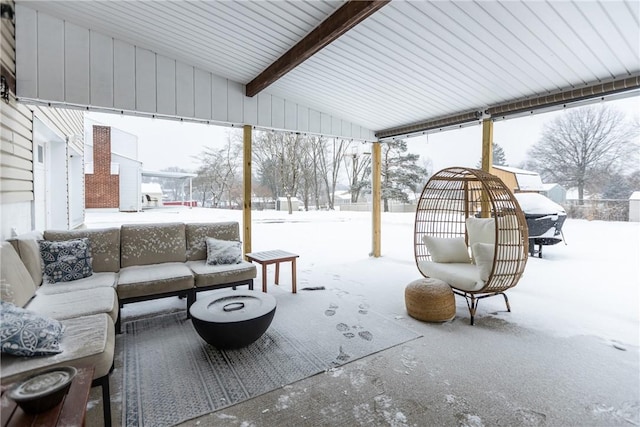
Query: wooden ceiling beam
{"x":342,"y":20}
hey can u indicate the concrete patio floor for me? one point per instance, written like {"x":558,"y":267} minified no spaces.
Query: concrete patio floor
{"x":501,"y":371}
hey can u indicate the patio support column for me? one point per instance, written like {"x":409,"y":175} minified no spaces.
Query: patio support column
{"x":246,"y":188}
{"x":487,"y":145}
{"x":487,"y":161}
{"x":376,"y":198}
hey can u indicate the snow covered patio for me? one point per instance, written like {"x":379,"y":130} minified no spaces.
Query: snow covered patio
{"x":567,"y":354}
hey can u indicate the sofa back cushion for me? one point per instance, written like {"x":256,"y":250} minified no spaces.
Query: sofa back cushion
{"x":28,"y":249}
{"x":16,"y":284}
{"x":481,"y":230}
{"x":105,"y":245}
{"x":66,"y":260}
{"x":197,"y":234}
{"x":144,"y":244}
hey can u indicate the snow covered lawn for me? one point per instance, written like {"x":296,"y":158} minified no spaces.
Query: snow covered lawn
{"x":588,"y":287}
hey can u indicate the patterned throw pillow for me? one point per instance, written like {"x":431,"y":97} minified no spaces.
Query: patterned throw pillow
{"x":66,"y":260}
{"x":25,"y":333}
{"x":223,"y":251}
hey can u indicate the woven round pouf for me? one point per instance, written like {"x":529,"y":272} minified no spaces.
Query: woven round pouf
{"x":430,"y":300}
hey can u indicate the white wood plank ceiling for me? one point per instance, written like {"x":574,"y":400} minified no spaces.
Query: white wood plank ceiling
{"x":411,"y":61}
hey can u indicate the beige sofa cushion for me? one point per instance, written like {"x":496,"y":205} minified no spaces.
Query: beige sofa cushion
{"x":96,"y":280}
{"x":461,"y":276}
{"x":481,"y":230}
{"x":142,"y":280}
{"x":210,"y":275}
{"x":447,"y":250}
{"x":144,"y":244}
{"x":28,"y":248}
{"x":78,"y":303}
{"x":16,"y":284}
{"x":197,"y":234}
{"x":105,"y":245}
{"x":87,"y":340}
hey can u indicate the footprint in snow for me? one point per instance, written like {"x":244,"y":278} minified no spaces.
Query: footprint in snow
{"x":331,"y":311}
{"x":345,"y":329}
{"x":365,"y":335}
{"x":364,"y":308}
{"x":342,"y":327}
{"x":342,"y":356}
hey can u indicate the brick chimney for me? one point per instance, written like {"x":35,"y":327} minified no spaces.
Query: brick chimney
{"x":102,"y":190}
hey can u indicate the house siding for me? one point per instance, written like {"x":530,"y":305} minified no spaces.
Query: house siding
{"x":83,"y":68}
{"x":16,"y":142}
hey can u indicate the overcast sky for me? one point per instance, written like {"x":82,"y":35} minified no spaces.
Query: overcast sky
{"x":166,"y":143}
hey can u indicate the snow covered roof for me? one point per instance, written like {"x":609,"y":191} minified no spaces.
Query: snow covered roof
{"x":526,"y":180}
{"x":514,"y":170}
{"x":163,"y":174}
{"x":151,"y":188}
{"x":547,"y":187}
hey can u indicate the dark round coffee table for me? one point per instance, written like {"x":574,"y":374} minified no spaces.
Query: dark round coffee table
{"x":233,"y":319}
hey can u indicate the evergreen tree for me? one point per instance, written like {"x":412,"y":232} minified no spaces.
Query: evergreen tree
{"x":400,"y":172}
{"x":618,"y":187}
{"x":499,"y":157}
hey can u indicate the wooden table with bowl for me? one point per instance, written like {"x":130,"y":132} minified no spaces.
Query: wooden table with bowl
{"x":70,"y":411}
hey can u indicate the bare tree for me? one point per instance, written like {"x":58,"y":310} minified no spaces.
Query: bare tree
{"x":308,"y":173}
{"x":358,"y":167}
{"x":290,"y":165}
{"x":317,"y":150}
{"x":264,"y":160}
{"x":279,"y":154}
{"x":218,"y":174}
{"x":329,"y":165}
{"x":583,"y":144}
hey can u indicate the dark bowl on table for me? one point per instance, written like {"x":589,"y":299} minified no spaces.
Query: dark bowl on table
{"x":43,"y":391}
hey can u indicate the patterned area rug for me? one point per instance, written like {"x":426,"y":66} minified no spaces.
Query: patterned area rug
{"x":172,"y":375}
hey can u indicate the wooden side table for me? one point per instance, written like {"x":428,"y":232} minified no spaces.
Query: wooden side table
{"x":70,"y":412}
{"x":275,"y":256}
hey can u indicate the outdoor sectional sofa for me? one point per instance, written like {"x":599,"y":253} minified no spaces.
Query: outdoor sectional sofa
{"x":87,"y":315}
{"x":131,"y":263}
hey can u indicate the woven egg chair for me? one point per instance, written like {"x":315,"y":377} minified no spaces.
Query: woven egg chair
{"x":471,"y":233}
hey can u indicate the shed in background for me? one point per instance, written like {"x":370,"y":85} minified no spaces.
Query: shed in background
{"x":634,"y":207}
{"x":518,"y":180}
{"x":283,"y":205}
{"x":555,"y":192}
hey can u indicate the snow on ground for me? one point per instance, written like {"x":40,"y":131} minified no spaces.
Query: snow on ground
{"x":588,"y":287}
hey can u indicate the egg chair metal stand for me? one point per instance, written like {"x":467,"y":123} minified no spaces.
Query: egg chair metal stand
{"x":455,"y":199}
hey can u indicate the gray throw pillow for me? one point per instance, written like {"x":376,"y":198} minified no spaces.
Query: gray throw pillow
{"x":223,"y":251}
{"x":66,"y":260}
{"x":25,"y":333}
